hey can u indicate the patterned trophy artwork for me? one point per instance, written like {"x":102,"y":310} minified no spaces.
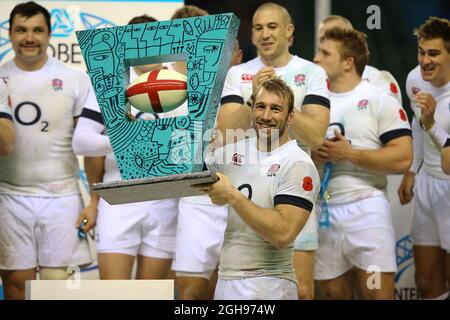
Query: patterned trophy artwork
{"x":169,"y":145}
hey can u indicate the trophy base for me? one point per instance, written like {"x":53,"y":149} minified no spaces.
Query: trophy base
{"x":154,"y":188}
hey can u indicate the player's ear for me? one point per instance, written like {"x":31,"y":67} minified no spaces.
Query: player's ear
{"x":290,"y":118}
{"x":349,"y":63}
{"x":290,"y":30}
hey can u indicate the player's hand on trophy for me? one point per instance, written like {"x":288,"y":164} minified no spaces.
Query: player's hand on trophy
{"x":427,"y":105}
{"x":220,"y":191}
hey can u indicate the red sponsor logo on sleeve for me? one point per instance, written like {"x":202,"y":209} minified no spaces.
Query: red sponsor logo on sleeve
{"x":393,"y":88}
{"x":402,"y":115}
{"x":307,"y":183}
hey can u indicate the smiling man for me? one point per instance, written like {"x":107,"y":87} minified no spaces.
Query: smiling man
{"x":374,"y":140}
{"x":428,"y":88}
{"x":271,"y":33}
{"x":40,"y":199}
{"x":380,"y":78}
{"x":270,"y":186}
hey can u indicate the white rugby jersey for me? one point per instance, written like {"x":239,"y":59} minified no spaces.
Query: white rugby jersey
{"x":285,"y":176}
{"x":44,"y":104}
{"x":431,"y":155}
{"x":307,"y":80}
{"x":5,"y":109}
{"x":92,"y":112}
{"x":370,"y":118}
{"x":384,"y":80}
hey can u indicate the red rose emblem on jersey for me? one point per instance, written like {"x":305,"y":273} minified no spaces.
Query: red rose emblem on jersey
{"x":393,"y":88}
{"x":307,"y":183}
{"x":402,"y":114}
{"x":300,"y":79}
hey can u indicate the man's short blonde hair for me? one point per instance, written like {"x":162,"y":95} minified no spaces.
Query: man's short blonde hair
{"x":189,"y":11}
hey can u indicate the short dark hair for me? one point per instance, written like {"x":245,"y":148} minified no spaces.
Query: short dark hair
{"x":353,"y":44}
{"x":29,"y":9}
{"x":142,"y":19}
{"x":281,"y":89}
{"x":435,"y":28}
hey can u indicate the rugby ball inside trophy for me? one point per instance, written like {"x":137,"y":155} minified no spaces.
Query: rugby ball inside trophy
{"x":158,"y":91}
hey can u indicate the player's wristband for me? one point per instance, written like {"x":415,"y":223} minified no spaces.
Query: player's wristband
{"x":250,"y":101}
{"x":438,"y":135}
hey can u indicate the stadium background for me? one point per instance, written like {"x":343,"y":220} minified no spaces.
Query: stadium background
{"x":393,"y":47}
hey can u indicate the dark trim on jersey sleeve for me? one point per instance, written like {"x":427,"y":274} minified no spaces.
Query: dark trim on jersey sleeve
{"x":420,"y":167}
{"x":393,"y":134}
{"x":5,"y":115}
{"x":315,"y":99}
{"x":232,"y":99}
{"x":447,"y":143}
{"x":294,"y":201}
{"x":140,"y":113}
{"x":93,"y":115}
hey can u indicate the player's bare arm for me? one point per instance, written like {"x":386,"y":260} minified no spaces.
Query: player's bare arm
{"x":405,"y":190}
{"x":445,"y":159}
{"x":235,"y":116}
{"x":394,"y":157}
{"x":7,"y":136}
{"x":232,"y":116}
{"x":280,"y":226}
{"x":310,"y":125}
{"x":94,"y":168}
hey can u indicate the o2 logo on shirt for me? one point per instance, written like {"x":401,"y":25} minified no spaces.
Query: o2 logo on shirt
{"x":28,"y":119}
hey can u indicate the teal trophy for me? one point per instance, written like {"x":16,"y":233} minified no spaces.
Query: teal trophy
{"x":161,"y":158}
